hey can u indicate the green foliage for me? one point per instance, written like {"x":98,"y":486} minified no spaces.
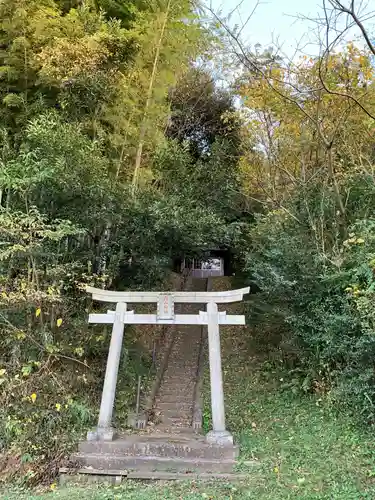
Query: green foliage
{"x":203,"y":114}
{"x":283,"y":436}
{"x":316,"y":280}
{"x":202,"y":158}
{"x":83,"y":88}
{"x":211,"y":181}
{"x":52,"y":381}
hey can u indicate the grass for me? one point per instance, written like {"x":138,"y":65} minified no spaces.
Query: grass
{"x":136,"y":491}
{"x":304,"y":448}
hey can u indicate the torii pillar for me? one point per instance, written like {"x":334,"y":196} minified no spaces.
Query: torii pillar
{"x":219,"y":434}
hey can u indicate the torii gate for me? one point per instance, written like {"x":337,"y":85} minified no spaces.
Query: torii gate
{"x":165,"y":316}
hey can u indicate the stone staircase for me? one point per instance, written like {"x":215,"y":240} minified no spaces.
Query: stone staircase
{"x":169,"y":448}
{"x":174,"y":403}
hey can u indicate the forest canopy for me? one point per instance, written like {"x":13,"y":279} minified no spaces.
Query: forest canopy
{"x":122,"y":149}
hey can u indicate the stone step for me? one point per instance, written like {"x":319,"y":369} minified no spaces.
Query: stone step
{"x":153,"y":463}
{"x":176,"y":422}
{"x":163,"y":404}
{"x":177,"y":388}
{"x":172,"y":405}
{"x":177,"y":397}
{"x":185,"y":341}
{"x":181,"y":386}
{"x":175,"y":407}
{"x":176,"y":392}
{"x":175,"y":414}
{"x":176,"y":371}
{"x":172,"y":402}
{"x":163,"y":446}
{"x":170,"y":408}
{"x":68,"y":476}
{"x":173,"y":399}
{"x":180,"y":431}
{"x":178,"y":380}
{"x":176,"y":417}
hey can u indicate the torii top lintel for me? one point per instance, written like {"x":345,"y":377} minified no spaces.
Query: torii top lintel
{"x":180,"y":297}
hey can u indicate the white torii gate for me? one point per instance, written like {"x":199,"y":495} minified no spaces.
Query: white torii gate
{"x":165,"y":315}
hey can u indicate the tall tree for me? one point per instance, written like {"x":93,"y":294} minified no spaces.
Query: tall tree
{"x":202,"y":113}
{"x":172,"y":35}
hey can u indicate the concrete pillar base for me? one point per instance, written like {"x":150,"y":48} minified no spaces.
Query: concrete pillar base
{"x":101,"y":434}
{"x":221,"y":438}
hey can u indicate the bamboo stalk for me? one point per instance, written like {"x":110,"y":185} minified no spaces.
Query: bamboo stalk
{"x":142,"y":133}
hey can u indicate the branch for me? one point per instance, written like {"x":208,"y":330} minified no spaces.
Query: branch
{"x":40,"y":346}
{"x":327,"y":52}
{"x":244,"y":58}
{"x":343,"y":94}
{"x":249,"y":17}
{"x":350,"y":11}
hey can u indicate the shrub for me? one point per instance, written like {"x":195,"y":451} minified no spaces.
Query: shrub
{"x":316,"y":275}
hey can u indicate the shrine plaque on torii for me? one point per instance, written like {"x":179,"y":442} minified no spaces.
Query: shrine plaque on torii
{"x":165,"y":314}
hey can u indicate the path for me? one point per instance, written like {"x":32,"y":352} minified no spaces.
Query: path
{"x":174,"y":403}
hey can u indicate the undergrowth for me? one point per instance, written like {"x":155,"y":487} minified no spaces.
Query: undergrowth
{"x":48,"y":411}
{"x":292,"y":446}
{"x":316,"y":282}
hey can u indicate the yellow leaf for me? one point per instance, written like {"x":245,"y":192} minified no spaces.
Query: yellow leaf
{"x":58,"y":406}
{"x":4,"y":295}
{"x":79,"y":351}
{"x":37,"y":312}
{"x":53,"y":486}
{"x":33,"y":397}
{"x":276,"y":469}
{"x":59,"y":322}
{"x":360,"y":240}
